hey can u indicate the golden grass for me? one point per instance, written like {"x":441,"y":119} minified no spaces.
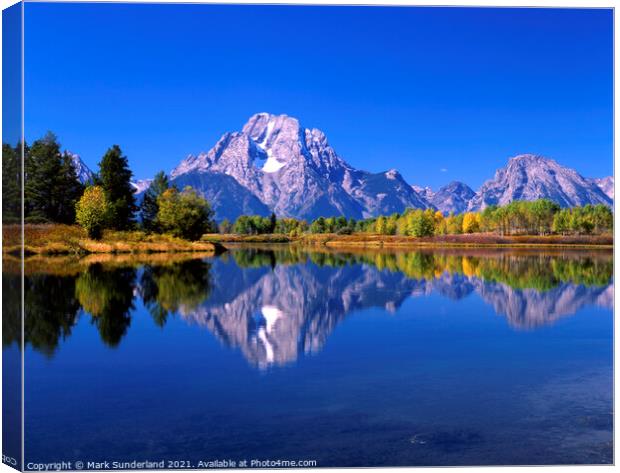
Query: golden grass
{"x":234,"y":238}
{"x":71,"y":239}
{"x":368,"y":240}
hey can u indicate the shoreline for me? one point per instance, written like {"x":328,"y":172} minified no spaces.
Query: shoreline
{"x":67,"y":240}
{"x":51,"y":240}
{"x":370,"y":241}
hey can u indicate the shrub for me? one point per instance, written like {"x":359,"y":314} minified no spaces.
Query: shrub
{"x":92,"y":211}
{"x":184,"y":214}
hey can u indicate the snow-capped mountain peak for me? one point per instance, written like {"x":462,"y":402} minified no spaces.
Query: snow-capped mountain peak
{"x":293,"y":171}
{"x":274,"y":164}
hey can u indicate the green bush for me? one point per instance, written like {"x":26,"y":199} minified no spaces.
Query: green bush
{"x":184,"y":214}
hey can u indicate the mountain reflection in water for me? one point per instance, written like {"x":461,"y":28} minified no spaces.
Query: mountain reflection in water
{"x":277,"y":305}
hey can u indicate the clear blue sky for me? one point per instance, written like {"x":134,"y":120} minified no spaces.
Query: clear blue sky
{"x":438,"y":93}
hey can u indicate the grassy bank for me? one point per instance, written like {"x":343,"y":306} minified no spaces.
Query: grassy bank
{"x":70,"y":239}
{"x":366,"y":240}
{"x":234,"y":238}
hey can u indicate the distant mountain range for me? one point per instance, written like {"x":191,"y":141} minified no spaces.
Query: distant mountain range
{"x":276,"y":165}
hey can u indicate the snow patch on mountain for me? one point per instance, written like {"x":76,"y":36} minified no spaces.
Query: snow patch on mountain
{"x":294,"y":172}
{"x":274,"y":164}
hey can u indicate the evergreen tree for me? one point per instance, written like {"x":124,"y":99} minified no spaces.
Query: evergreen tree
{"x":115,"y":177}
{"x":51,"y":187}
{"x":11,"y":183}
{"x":69,"y":186}
{"x":149,"y":207}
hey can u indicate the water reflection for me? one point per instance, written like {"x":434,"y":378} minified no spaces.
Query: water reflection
{"x":274,"y":306}
{"x":165,"y":289}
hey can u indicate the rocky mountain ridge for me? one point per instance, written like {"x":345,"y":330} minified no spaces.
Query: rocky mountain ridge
{"x":274,"y":164}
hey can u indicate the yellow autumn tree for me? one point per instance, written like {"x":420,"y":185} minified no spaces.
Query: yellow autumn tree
{"x":440,"y":224}
{"x":471,"y":222}
{"x":380,"y":225}
{"x":92,"y":211}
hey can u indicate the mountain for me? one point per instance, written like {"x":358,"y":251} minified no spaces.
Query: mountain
{"x":454,"y":197}
{"x":141,"y":185}
{"x":292,"y":171}
{"x":531,"y":177}
{"x":606,"y":184}
{"x":227,"y":197}
{"x":84,"y":174}
{"x":274,"y":164}
{"x":425,"y":192}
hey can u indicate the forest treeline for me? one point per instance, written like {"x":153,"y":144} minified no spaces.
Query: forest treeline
{"x":539,"y":217}
{"x":54,"y":194}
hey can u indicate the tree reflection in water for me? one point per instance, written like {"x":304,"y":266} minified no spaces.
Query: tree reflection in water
{"x":277,"y":305}
{"x":166,"y":289}
{"x":107,"y":295}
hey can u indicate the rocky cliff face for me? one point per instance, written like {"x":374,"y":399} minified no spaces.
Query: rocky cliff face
{"x":424,"y":192}
{"x":274,"y":164}
{"x":531,"y":177}
{"x":84,"y":174}
{"x":454,"y":197}
{"x":294,"y":172}
{"x":606,"y":184}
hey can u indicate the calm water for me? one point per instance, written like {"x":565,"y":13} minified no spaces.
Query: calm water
{"x":427,"y":358}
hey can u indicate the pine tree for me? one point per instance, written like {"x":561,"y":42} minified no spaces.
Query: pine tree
{"x":115,"y":177}
{"x":11,"y":183}
{"x":149,"y":207}
{"x":69,"y":186}
{"x":51,"y":187}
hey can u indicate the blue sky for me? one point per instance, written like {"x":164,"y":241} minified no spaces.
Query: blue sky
{"x":438,"y":93}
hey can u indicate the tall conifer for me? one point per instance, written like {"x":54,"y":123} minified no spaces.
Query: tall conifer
{"x":115,"y":178}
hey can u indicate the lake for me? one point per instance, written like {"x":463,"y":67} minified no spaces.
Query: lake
{"x":369,"y":358}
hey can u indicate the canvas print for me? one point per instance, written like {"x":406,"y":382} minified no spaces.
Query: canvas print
{"x":302,"y":236}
